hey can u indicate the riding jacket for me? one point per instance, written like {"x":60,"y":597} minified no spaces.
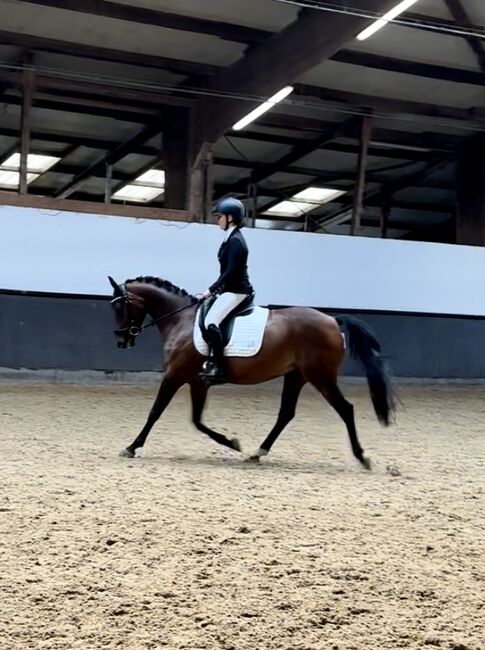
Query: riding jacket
{"x":233,"y":257}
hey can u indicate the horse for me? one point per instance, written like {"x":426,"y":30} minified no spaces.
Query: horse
{"x":300,"y":344}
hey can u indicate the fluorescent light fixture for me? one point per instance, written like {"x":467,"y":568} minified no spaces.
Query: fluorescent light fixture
{"x":10,"y":180}
{"x":266,"y":106}
{"x":289,"y":209}
{"x":37,"y":164}
{"x":318,"y":195}
{"x":404,"y":147}
{"x":144,"y":188}
{"x":153,"y":177}
{"x":305,"y":201}
{"x":386,"y":18}
{"x":138,"y":193}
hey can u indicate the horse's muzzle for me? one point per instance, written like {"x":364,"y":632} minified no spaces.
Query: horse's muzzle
{"x":127,"y":336}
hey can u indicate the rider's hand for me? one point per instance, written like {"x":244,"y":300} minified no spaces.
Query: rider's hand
{"x":203,"y":296}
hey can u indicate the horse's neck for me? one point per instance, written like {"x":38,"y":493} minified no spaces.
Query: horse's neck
{"x":160,"y":302}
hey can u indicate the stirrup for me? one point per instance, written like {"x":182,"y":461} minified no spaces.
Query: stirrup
{"x":212,"y":373}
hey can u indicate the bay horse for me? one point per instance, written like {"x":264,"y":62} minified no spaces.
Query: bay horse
{"x":301,"y":344}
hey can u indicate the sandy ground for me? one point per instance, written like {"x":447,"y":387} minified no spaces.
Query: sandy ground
{"x":187,"y":547}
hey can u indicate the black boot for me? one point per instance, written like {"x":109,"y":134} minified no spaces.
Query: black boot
{"x":213,"y":368}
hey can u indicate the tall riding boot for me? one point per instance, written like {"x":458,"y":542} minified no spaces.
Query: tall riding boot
{"x":213,"y":369}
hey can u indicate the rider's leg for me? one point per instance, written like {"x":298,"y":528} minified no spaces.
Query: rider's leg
{"x":222,"y":307}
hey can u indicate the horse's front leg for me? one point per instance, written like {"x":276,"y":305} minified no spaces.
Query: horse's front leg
{"x":198,"y":393}
{"x":167,"y":390}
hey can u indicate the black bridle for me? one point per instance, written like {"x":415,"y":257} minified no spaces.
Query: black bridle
{"x":132,"y":330}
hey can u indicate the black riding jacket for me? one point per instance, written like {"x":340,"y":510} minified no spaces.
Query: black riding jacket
{"x":233,"y":257}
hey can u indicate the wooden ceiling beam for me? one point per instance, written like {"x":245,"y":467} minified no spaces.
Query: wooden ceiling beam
{"x":413,"y":68}
{"x":394,"y":107}
{"x":155,"y":17}
{"x":302,"y":149}
{"x":79,"y":140}
{"x":110,"y":158}
{"x":311,"y":39}
{"x":331,"y":97}
{"x":94,"y":91}
{"x":99,"y":53}
{"x":69,"y":105}
{"x":391,"y":137}
{"x":390,"y":188}
{"x":462,"y":19}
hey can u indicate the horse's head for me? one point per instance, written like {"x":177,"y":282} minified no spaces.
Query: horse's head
{"x":130,"y":312}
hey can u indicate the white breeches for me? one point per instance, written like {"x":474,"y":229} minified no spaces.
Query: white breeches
{"x":223,"y":305}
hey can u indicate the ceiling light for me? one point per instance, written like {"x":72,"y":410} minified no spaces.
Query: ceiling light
{"x":305,"y":201}
{"x":318,"y":194}
{"x":36,"y":163}
{"x":10,"y":180}
{"x":137,"y":193}
{"x":153,"y":177}
{"x":266,"y":106}
{"x":145,"y":187}
{"x":386,"y":18}
{"x":289,"y":208}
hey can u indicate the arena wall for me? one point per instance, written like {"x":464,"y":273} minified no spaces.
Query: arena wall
{"x":425,"y":301}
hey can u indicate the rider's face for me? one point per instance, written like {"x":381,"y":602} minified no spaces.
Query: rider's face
{"x":223,"y":221}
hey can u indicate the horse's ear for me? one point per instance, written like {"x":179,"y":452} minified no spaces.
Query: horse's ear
{"x":116,"y":287}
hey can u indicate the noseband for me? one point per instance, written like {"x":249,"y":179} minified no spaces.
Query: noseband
{"x":131,"y":331}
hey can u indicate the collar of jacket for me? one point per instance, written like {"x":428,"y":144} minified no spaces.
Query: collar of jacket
{"x":229,"y":232}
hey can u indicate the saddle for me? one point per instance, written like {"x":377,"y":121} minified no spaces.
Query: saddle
{"x":245,"y":308}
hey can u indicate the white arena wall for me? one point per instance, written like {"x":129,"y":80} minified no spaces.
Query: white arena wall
{"x":67,"y":252}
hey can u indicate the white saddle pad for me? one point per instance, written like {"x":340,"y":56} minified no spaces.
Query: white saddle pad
{"x":247,"y":335}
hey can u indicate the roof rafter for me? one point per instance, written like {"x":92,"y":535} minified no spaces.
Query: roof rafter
{"x":312,"y":38}
{"x":188,"y":68}
{"x":414,"y":68}
{"x":225,"y":30}
{"x":357,"y":101}
{"x":57,"y":46}
{"x":391,"y":187}
{"x":460,"y":16}
{"x":303,"y":148}
{"x":111,"y":157}
{"x":423,"y":140}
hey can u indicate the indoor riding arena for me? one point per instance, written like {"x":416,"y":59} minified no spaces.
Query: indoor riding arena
{"x":145,"y":148}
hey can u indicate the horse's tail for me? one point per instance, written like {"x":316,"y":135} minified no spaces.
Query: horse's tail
{"x":364,"y":345}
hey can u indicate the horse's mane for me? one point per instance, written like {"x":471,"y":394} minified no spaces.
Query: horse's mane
{"x":163,"y":284}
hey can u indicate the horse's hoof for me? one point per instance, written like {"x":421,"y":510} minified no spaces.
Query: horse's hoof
{"x":366,"y":462}
{"x":235,"y":444}
{"x":127,"y":453}
{"x":253,"y":459}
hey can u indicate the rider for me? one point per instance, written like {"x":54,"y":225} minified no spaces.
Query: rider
{"x":232,"y":285}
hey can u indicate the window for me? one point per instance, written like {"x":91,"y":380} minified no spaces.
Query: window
{"x":144,"y":188}
{"x":37,"y":164}
{"x":305,"y":201}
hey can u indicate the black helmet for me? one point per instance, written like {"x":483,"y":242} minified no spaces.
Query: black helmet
{"x":233,"y":207}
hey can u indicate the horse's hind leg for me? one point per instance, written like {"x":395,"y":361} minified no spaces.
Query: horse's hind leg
{"x":198,"y":394}
{"x":293,"y":383}
{"x":334,"y":397}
